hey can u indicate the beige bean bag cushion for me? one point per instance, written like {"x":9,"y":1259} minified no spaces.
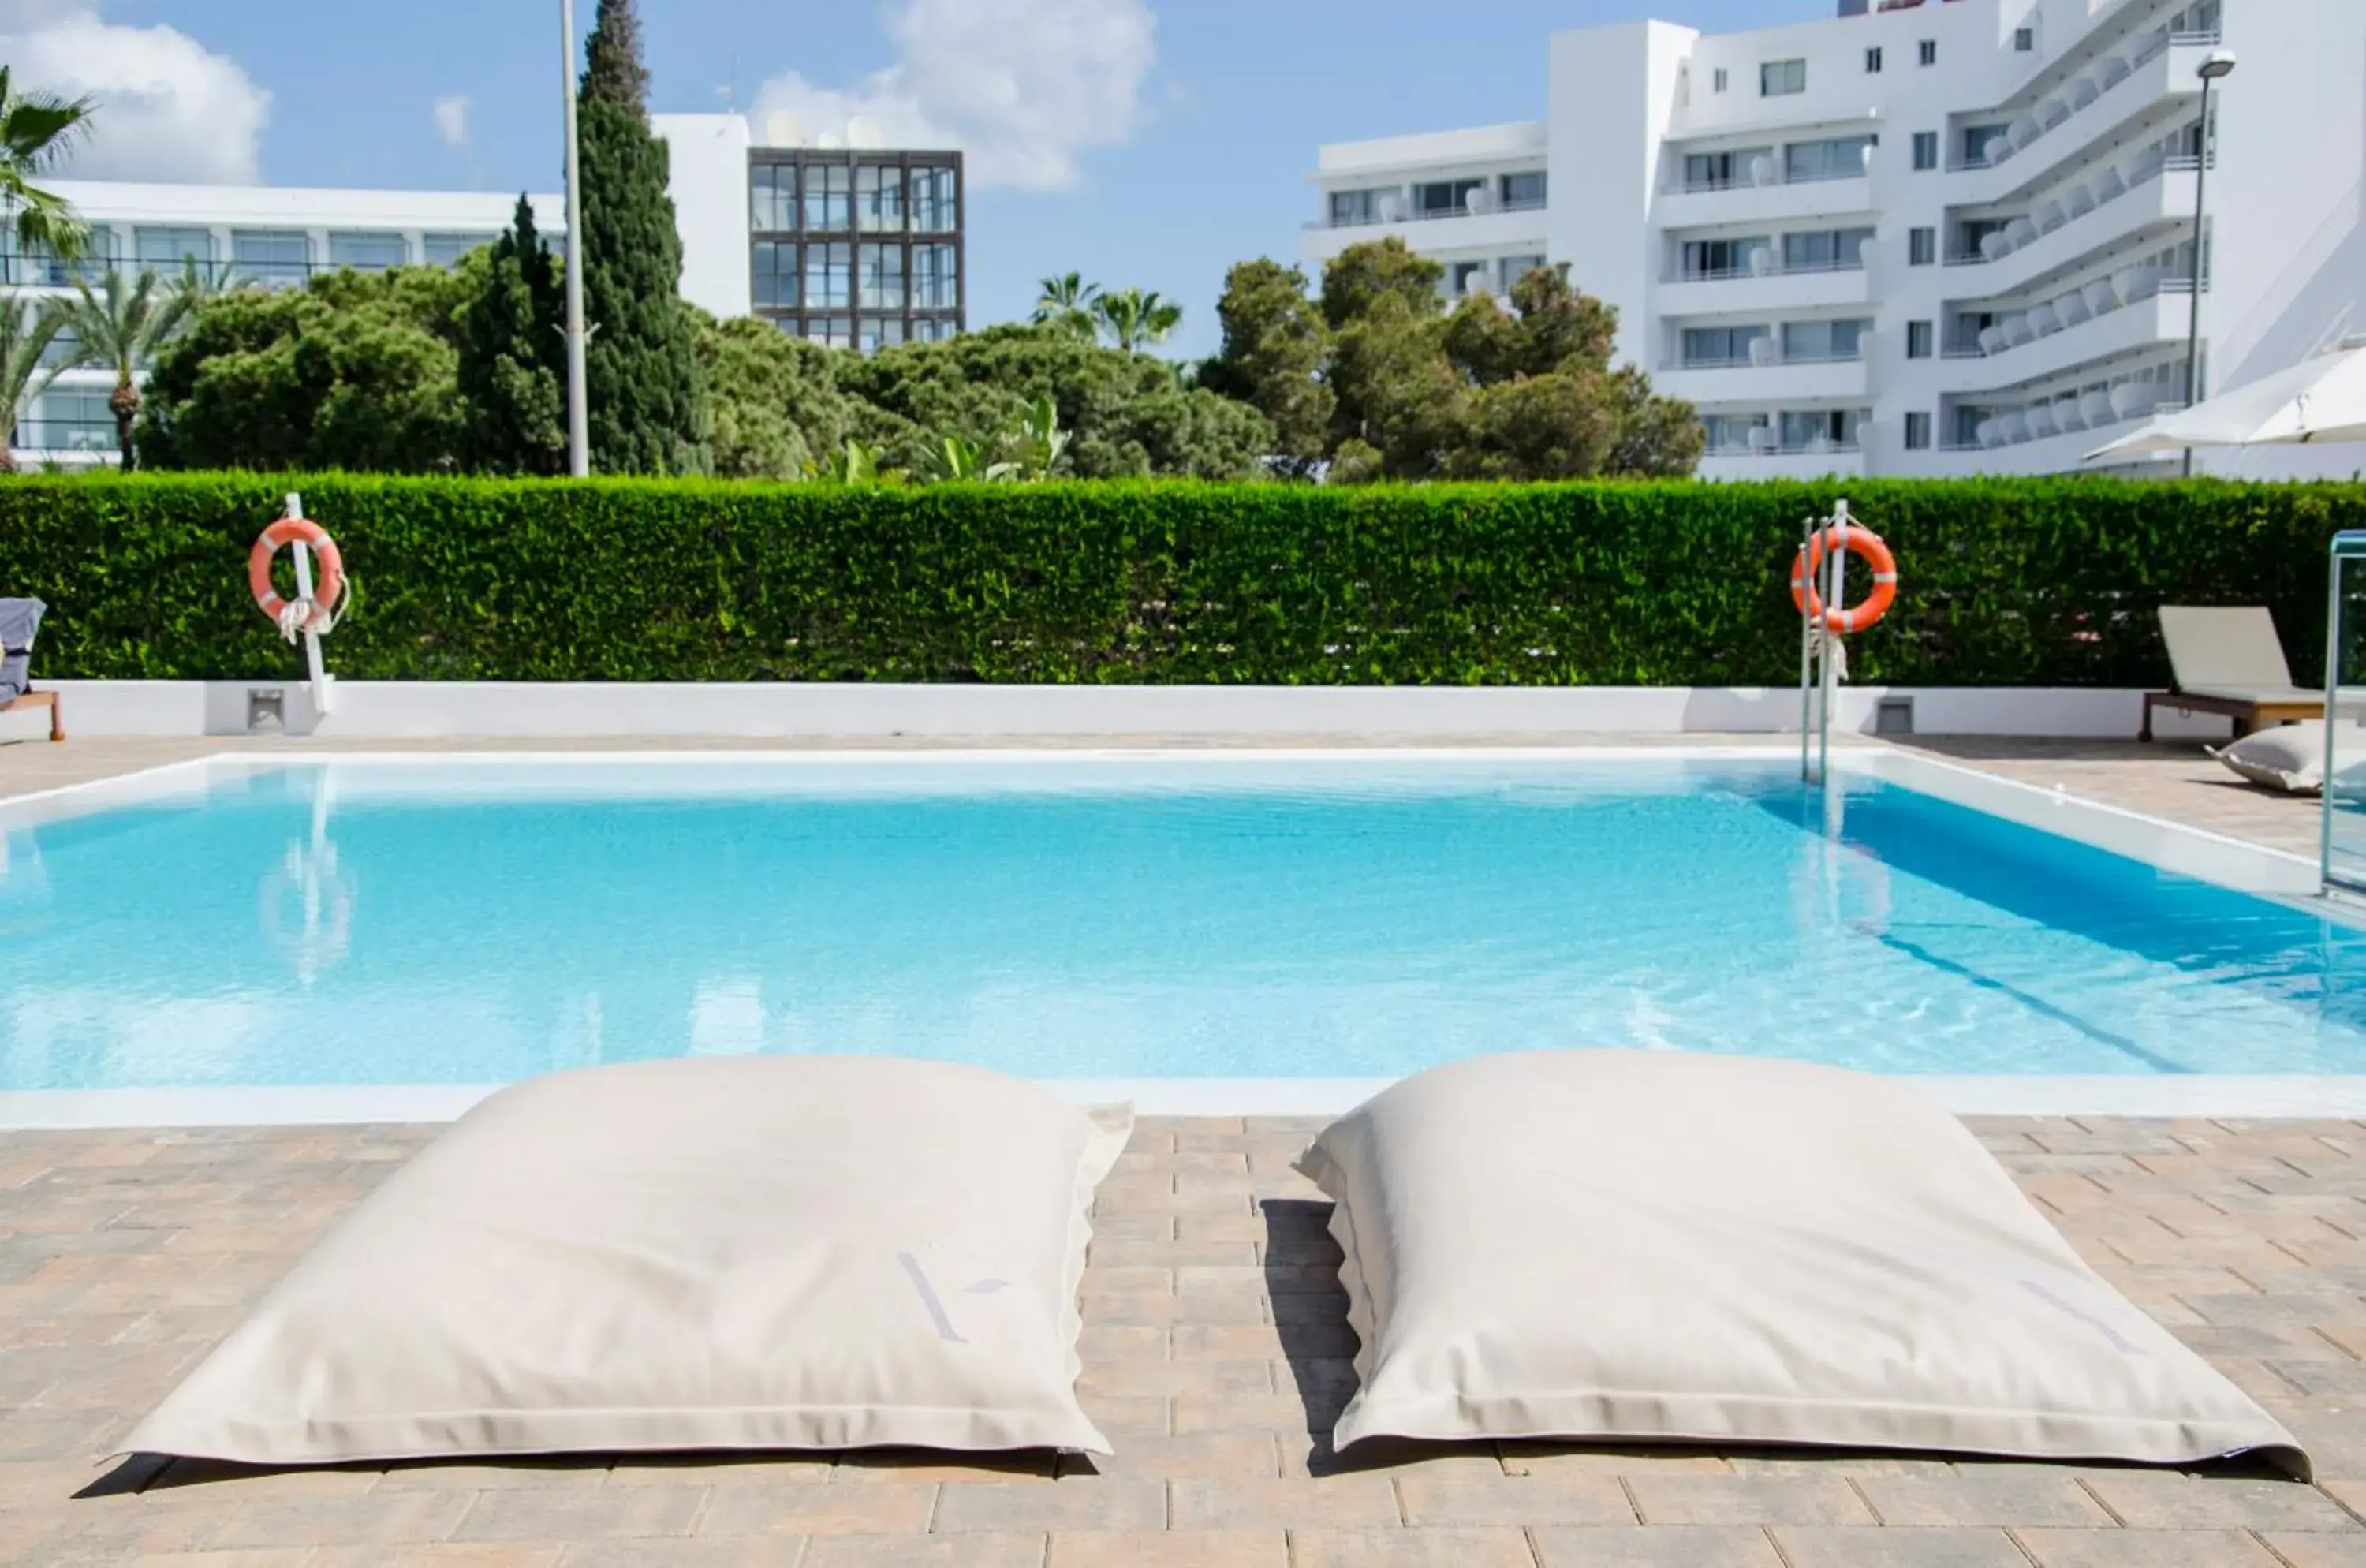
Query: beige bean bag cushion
{"x":1656,"y":1246}
{"x":2289,"y":756}
{"x":749,"y":1253}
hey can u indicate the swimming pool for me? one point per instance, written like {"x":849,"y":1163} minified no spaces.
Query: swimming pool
{"x":457,"y":921}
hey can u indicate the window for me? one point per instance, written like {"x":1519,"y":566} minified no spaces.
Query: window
{"x":1926,"y":151}
{"x":1733,"y":434}
{"x":37,"y":265}
{"x":773,"y":275}
{"x":1927,"y":51}
{"x":1979,"y":140}
{"x":446,"y":250}
{"x":1717,"y":170}
{"x":1782,"y":78}
{"x":829,"y":277}
{"x":165,"y":250}
{"x":1353,"y":209}
{"x":773,"y":199}
{"x":1825,"y":250}
{"x":2024,"y":40}
{"x":1727,"y":258}
{"x":1515,"y":268}
{"x":1444,"y":199}
{"x":1524,"y":190}
{"x":880,"y":277}
{"x":1918,"y":335}
{"x":367,"y":252}
{"x":879,"y":199}
{"x":273,"y":257}
{"x":1709,"y":347}
{"x":1873,"y":61}
{"x":929,"y":330}
{"x":1918,"y":432}
{"x":873,"y":334}
{"x":1841,"y":158}
{"x":1922,"y":246}
{"x":64,"y":348}
{"x":1969,"y":233}
{"x":936,"y":200}
{"x":1718,"y":80}
{"x":830,"y":331}
{"x":936,"y":277}
{"x":829,"y":198}
{"x":1818,"y":343}
{"x":69,"y":422}
{"x":1821,"y":431}
{"x":1464,"y":278}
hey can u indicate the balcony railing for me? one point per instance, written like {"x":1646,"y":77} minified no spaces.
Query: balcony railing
{"x":1818,"y":448}
{"x":2076,"y":95}
{"x":1773,"y":268}
{"x":1373,"y":220}
{"x":1780,"y":176}
{"x":1772,"y":362}
{"x":2015,"y":429}
{"x":2084,"y":200}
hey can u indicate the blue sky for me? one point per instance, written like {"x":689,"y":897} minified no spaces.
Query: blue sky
{"x":1149,"y":142}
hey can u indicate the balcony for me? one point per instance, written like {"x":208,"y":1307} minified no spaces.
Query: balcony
{"x":2064,"y":452}
{"x":1766,"y":379}
{"x":1519,"y":229}
{"x":2040,"y":143}
{"x":1816,"y":461}
{"x":2163,"y":197}
{"x":1776,"y":287}
{"x":1772,"y":198}
{"x":2158,"y":317}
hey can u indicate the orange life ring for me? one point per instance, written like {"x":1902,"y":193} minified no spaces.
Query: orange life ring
{"x":329,"y":583}
{"x":1861,"y":542}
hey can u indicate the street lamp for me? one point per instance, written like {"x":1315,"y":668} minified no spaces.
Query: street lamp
{"x":2217,"y":68}
{"x":578,"y":417}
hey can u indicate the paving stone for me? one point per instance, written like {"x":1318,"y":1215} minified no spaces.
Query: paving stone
{"x":2144,"y":1549}
{"x":1479,"y":1497}
{"x":568,"y":1514}
{"x":905,"y":1466}
{"x":1410,"y":1549}
{"x":2314,"y":1549}
{"x":525,"y":1475}
{"x":1977,"y":1497}
{"x":2165,"y":1500}
{"x":881,"y":1508}
{"x":1657,"y":1546}
{"x":343,"y":1521}
{"x":1168,"y":1380}
{"x":1913,"y":1548}
{"x":697,"y":1551}
{"x":1239,"y":1455}
{"x":1008,"y":1550}
{"x":493,"y":1554}
{"x":1076,"y":1502}
{"x":1548,"y":1458}
{"x":1330,"y":1501}
{"x":1746,"y":1500}
{"x":1173,"y":1549}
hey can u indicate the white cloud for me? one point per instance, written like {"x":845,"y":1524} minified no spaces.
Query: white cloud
{"x":168,"y":108}
{"x":1024,"y":87}
{"x":452,"y":121}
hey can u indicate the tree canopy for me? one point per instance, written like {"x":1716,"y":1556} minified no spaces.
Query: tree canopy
{"x":1377,"y":378}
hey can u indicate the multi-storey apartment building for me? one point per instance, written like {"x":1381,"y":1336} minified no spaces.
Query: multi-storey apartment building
{"x":855,"y":249}
{"x":1925,"y":237}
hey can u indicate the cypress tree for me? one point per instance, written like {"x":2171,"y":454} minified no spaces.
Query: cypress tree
{"x":648,"y":397}
{"x":512,"y":372}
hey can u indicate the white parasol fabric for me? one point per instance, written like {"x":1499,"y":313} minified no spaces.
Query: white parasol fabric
{"x":2319,"y":400}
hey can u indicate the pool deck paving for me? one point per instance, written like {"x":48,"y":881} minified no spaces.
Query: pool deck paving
{"x":1216,"y":1356}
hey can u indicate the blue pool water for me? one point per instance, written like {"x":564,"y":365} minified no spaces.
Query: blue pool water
{"x":423,"y":923}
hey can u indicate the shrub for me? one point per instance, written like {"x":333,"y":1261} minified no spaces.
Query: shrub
{"x":2006,"y":582}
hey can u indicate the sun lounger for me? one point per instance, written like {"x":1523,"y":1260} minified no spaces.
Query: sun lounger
{"x":1642,"y":1246}
{"x":20,"y":619}
{"x":2226,"y":659}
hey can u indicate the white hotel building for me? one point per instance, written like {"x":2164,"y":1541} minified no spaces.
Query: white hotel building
{"x":1925,"y":237}
{"x":855,"y":248}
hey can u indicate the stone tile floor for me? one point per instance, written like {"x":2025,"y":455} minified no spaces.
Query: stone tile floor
{"x":1215,"y":1355}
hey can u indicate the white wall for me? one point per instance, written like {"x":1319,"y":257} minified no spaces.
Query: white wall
{"x":708,"y":180}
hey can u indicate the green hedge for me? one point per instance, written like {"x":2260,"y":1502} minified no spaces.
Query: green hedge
{"x":2009,"y":582}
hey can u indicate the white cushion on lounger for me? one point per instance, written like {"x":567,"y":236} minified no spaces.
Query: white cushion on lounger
{"x":749,"y":1253}
{"x":2289,"y":756}
{"x":1656,"y":1246}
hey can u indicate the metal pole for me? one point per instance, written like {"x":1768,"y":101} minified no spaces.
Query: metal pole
{"x":1806,"y":653}
{"x":2332,"y":715}
{"x":2194,"y":317}
{"x":579,"y":413}
{"x":312,"y":661}
{"x":1831,"y":648}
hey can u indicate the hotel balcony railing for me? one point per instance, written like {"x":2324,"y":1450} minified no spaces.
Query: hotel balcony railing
{"x":1815,"y":448}
{"x":2153,"y":46}
{"x":40,"y":272}
{"x":1962,"y":348}
{"x":1373,"y":220}
{"x":1773,"y":269}
{"x":2183,"y":163}
{"x":1777,"y":362}
{"x":1746,"y":182}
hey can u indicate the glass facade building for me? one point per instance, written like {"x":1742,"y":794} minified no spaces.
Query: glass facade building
{"x":859,"y":250}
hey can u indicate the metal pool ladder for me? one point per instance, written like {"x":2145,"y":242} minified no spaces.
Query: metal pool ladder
{"x":1823,"y":659}
{"x":2342,"y":838}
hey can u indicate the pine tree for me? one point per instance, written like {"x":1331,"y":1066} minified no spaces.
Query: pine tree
{"x":648,"y":399}
{"x":512,"y":371}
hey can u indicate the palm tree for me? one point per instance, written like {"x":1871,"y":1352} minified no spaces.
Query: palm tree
{"x":1066,"y":301}
{"x":26,"y":333}
{"x":121,"y":328}
{"x":35,"y":130}
{"x":197,"y":284}
{"x":1135,"y":317}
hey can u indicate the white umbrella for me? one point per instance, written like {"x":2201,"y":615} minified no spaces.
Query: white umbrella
{"x":2318,"y":399}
